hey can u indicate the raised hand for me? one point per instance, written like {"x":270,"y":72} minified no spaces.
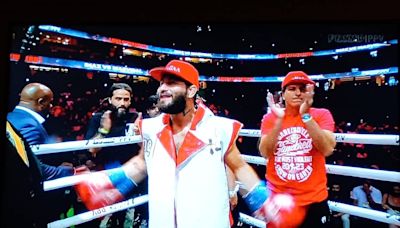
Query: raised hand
{"x":276,"y":109}
{"x":137,"y":124}
{"x":308,"y":99}
{"x":106,"y":122}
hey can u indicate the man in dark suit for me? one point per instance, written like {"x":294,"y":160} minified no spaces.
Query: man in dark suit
{"x":28,"y":117}
{"x":23,"y":184}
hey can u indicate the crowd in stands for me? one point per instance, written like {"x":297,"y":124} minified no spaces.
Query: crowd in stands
{"x":74,"y":106}
{"x":366,"y":155}
{"x":79,"y":94}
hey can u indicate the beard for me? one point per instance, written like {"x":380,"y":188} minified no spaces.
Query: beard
{"x":177,"y":105}
{"x":335,"y":195}
{"x":121,"y":112}
{"x":118,"y":112}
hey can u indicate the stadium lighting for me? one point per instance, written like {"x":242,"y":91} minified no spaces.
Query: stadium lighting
{"x":374,"y":53}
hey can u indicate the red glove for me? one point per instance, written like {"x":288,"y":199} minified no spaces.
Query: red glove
{"x":277,"y":210}
{"x":104,"y":188}
{"x":81,"y":169}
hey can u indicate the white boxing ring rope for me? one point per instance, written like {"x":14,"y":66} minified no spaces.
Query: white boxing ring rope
{"x":375,"y":174}
{"x":374,"y":139}
{"x":84,"y":144}
{"x":251,"y":220}
{"x":339,"y":207}
{"x":66,"y":181}
{"x":116,"y":141}
{"x":332,"y":169}
{"x":334,"y":206}
{"x":90,"y":215}
{"x":385,"y":175}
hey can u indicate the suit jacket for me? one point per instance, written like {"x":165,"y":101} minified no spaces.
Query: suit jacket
{"x":34,"y":133}
{"x":22,"y":184}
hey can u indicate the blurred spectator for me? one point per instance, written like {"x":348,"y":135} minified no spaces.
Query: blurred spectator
{"x":336,"y":194}
{"x":366,"y":196}
{"x":391,"y":202}
{"x":151,"y":107}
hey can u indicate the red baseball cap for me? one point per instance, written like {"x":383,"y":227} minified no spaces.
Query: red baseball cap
{"x":296,"y":77}
{"x":181,"y":69}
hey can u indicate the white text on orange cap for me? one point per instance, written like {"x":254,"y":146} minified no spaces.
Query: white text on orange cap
{"x":174,"y":68}
{"x":298,"y":78}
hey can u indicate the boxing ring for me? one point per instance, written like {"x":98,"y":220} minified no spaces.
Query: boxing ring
{"x":375,"y":139}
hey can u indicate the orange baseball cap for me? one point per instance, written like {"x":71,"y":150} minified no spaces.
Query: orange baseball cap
{"x":296,"y":77}
{"x":181,"y":69}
